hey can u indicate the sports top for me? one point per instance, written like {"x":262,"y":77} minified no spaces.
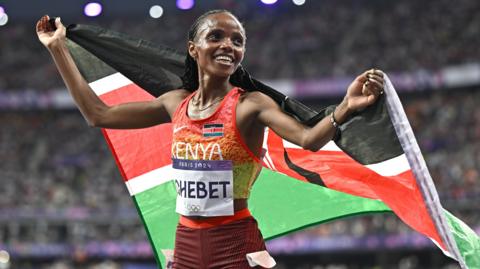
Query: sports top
{"x":216,"y":138}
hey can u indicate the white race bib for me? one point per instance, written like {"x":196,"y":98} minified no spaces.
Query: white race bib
{"x":204,"y":187}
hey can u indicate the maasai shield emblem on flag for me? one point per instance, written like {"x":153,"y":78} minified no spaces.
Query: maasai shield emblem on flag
{"x":375,"y":166}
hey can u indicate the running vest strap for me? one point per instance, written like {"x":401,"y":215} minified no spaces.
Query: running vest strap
{"x":215,"y":138}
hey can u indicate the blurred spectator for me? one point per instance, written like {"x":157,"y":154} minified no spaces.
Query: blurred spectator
{"x":322,"y":38}
{"x":62,"y":168}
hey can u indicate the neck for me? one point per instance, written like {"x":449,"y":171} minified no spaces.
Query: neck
{"x":211,"y":89}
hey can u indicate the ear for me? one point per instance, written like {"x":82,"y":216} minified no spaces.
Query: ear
{"x":192,"y":50}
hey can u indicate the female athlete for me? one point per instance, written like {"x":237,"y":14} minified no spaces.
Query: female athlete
{"x":218,"y":132}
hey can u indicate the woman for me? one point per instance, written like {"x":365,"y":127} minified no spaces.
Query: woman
{"x":217,"y":137}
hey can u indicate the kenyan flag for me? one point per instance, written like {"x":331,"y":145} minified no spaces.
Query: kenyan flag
{"x":375,"y":166}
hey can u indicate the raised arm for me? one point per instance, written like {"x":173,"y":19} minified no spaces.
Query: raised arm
{"x":96,"y":113}
{"x":362,"y":92}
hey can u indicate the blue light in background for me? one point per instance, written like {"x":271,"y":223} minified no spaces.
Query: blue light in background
{"x":3,"y":16}
{"x":92,"y":9}
{"x":269,"y":2}
{"x":185,"y":4}
{"x":299,"y":2}
{"x":156,"y":11}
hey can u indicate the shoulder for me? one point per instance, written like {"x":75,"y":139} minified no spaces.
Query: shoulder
{"x":255,"y":105}
{"x":257,"y":99}
{"x":257,"y":102}
{"x":260,"y":108}
{"x":172,"y":99}
{"x":175,"y":94}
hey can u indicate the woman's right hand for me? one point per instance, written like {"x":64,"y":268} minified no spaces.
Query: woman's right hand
{"x":50,"y":37}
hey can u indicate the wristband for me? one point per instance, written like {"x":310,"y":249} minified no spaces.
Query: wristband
{"x":338,"y":133}
{"x":333,"y":121}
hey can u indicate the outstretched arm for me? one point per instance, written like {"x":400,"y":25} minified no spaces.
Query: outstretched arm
{"x":95,"y":112}
{"x":362,"y":92}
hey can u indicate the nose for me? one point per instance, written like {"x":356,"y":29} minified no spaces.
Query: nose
{"x":226,"y":44}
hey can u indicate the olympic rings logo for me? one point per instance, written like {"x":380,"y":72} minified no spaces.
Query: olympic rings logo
{"x":193,"y":208}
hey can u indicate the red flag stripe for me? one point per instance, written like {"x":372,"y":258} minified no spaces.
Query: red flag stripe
{"x":135,"y":151}
{"x":340,"y":172}
{"x":336,"y":169}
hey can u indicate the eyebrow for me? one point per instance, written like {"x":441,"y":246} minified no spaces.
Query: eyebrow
{"x":240,"y":33}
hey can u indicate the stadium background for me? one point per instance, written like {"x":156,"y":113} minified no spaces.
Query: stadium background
{"x":64,"y":205}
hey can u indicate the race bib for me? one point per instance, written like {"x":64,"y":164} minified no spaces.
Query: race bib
{"x":204,"y":187}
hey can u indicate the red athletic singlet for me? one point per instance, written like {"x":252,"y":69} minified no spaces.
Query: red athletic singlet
{"x":202,"y":149}
{"x":216,"y":138}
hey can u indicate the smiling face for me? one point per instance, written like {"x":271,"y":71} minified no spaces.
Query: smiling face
{"x":219,"y":45}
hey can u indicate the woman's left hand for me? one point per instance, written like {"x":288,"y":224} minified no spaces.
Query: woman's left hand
{"x":364,"y":90}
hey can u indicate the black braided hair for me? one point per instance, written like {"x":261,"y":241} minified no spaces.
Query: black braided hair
{"x":240,"y":78}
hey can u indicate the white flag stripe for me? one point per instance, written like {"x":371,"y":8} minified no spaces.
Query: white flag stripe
{"x":149,"y":180}
{"x":268,"y":161}
{"x":446,"y":252}
{"x":391,"y":167}
{"x":109,"y":83}
{"x":266,"y":158}
{"x":330,"y":146}
{"x":419,"y":169}
{"x":265,"y":138}
{"x":290,"y":145}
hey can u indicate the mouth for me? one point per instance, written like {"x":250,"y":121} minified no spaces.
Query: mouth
{"x":224,"y":59}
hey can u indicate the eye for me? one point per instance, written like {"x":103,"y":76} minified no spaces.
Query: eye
{"x":237,"y":41}
{"x":214,"y":36}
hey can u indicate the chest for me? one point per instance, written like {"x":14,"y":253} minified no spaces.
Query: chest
{"x":217,"y":133}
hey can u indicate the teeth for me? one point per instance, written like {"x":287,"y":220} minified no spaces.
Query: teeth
{"x":224,"y":58}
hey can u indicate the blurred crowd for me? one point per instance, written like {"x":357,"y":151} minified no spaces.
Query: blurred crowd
{"x":447,"y":127}
{"x":53,"y":164}
{"x":319,"y":39}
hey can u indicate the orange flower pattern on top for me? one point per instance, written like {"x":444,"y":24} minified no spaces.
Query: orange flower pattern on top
{"x":216,"y":138}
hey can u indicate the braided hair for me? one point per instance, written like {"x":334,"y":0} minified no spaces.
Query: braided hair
{"x":242,"y":79}
{"x":239,"y":78}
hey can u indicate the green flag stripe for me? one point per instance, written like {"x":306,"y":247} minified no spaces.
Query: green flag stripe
{"x":467,"y":241}
{"x":156,"y":207}
{"x":283,"y":205}
{"x":420,"y":170}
